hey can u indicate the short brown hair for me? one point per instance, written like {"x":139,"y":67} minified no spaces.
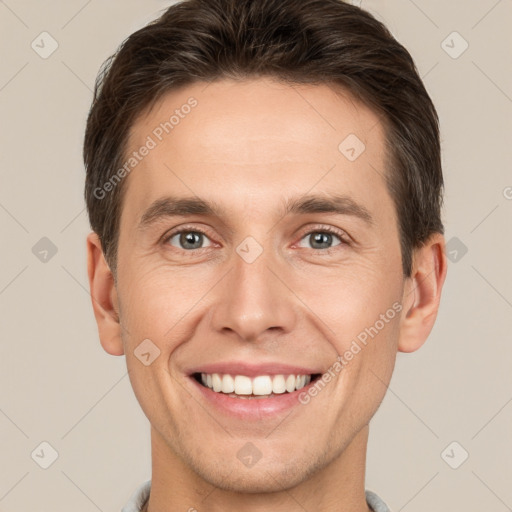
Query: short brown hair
{"x":296,"y":41}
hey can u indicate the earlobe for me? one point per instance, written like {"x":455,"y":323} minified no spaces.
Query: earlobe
{"x":104,"y":297}
{"x":422,"y":293}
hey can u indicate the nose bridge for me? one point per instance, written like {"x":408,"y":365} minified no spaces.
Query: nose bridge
{"x":253,"y":299}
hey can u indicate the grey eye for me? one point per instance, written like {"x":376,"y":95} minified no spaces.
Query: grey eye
{"x":189,"y":240}
{"x":321,"y":239}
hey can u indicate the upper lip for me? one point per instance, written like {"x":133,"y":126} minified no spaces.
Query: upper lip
{"x":253,"y":370}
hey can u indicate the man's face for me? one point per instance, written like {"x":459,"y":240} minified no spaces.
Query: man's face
{"x":250,"y":290}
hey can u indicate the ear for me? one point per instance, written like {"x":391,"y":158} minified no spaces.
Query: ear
{"x":104,"y":297}
{"x":422,"y":293}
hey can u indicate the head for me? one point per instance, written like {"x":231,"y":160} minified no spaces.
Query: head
{"x":264,"y":186}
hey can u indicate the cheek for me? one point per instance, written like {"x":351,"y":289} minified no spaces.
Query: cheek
{"x":349,"y":300}
{"x":157,"y":298}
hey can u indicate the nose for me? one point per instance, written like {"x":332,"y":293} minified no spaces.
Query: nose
{"x":253,"y":301}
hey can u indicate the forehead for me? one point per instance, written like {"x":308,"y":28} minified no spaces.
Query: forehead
{"x":257,"y":141}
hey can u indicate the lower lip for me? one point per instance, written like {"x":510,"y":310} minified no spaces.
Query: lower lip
{"x":251,"y":409}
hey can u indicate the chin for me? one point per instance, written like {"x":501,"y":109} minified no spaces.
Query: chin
{"x":261,"y":478}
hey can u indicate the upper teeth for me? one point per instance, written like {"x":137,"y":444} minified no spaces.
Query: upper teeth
{"x":260,"y":385}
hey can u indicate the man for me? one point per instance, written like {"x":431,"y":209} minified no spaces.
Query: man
{"x":264,"y":187}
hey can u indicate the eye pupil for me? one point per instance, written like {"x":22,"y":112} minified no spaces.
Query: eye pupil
{"x":191,"y":237}
{"x":321,"y":240}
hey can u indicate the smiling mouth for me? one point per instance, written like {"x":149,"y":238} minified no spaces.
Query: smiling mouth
{"x":261,"y":386}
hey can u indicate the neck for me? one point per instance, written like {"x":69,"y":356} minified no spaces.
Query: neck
{"x":333,"y":487}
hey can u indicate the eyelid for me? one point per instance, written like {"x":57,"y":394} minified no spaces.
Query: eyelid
{"x":341,"y":234}
{"x":184,"y":228}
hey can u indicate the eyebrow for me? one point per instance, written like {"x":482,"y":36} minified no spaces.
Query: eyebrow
{"x":171,"y":206}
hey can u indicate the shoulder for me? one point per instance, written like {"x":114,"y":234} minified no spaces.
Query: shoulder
{"x":138,"y":498}
{"x":375,"y":502}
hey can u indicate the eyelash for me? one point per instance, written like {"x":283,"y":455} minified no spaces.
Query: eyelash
{"x":321,"y":229}
{"x":327,"y":229}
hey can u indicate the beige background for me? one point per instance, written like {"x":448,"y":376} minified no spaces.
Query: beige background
{"x":58,"y":385}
